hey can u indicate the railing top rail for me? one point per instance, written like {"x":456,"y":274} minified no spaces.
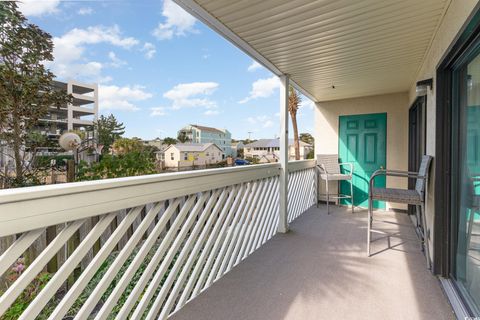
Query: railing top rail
{"x":301,"y":165}
{"x":35,"y":192}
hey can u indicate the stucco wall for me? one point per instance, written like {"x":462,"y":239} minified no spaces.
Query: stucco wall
{"x":451,"y":25}
{"x":395,"y":105}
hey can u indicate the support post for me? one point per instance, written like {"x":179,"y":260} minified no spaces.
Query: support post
{"x":283,"y":219}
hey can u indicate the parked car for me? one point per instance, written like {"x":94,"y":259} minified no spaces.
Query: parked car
{"x":241,"y":162}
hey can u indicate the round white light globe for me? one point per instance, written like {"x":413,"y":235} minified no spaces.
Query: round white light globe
{"x":69,"y":141}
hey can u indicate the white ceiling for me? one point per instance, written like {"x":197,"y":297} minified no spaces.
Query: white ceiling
{"x":362,"y":47}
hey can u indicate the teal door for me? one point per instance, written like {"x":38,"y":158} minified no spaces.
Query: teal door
{"x":363,"y":141}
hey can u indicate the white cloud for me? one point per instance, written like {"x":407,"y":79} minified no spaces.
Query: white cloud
{"x":262,"y":88}
{"x":185,"y":95}
{"x":121,"y":98}
{"x":178,"y":22}
{"x":262,"y":120}
{"x":115,"y":61}
{"x":71,"y":45}
{"x":91,"y":71}
{"x":38,"y":7}
{"x":69,"y":51}
{"x":254,"y":66}
{"x":149,"y":49}
{"x":85,"y":11}
{"x":211,"y":112}
{"x":158,"y":111}
{"x":307,"y":104}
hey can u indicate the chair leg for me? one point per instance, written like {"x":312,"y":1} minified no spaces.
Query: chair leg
{"x":328,"y":196}
{"x":351,"y":195}
{"x":470,"y":227}
{"x":417,"y":215}
{"x":425,"y":235}
{"x":370,"y":217}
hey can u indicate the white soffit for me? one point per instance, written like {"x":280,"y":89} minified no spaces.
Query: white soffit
{"x":362,"y":47}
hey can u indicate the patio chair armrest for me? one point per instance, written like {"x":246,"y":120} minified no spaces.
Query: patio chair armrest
{"x":350,"y":164}
{"x":393,"y":173}
{"x":321,"y":169}
{"x":401,"y":172}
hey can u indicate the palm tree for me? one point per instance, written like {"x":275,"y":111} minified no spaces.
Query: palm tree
{"x":294,"y":101}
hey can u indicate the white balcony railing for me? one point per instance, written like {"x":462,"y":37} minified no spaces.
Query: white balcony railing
{"x":137,"y":247}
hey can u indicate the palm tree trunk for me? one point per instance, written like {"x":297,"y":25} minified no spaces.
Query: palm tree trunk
{"x":296,"y":142}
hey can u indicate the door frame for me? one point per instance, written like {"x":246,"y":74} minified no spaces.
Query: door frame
{"x":415,"y":152}
{"x":385,"y":114}
{"x":445,"y":230}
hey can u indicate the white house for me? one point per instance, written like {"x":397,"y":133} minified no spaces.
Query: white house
{"x":191,"y":154}
{"x":268,"y":150}
{"x":237,"y":146}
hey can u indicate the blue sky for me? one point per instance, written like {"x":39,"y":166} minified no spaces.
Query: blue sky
{"x":159,"y":69}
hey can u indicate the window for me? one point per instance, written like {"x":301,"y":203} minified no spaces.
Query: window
{"x":466,"y":184}
{"x":172,"y":156}
{"x":457,"y":167}
{"x":185,"y":156}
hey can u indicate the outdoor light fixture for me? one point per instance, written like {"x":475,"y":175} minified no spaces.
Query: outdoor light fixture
{"x":423,"y":85}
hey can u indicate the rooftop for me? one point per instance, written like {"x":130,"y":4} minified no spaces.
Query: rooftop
{"x":204,"y":128}
{"x":193,"y":147}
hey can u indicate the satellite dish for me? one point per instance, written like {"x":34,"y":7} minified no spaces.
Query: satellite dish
{"x":69,"y":141}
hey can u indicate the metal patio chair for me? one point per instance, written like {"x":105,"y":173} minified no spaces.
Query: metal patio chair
{"x":414,"y":197}
{"x":329,"y":169}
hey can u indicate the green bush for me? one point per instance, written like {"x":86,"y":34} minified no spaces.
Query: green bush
{"x":117,"y":166}
{"x":44,"y":161}
{"x":311,"y":154}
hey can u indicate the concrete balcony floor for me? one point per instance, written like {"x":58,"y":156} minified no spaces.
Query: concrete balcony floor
{"x":319,"y":270}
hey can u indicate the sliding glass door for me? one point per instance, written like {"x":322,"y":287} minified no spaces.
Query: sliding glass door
{"x":466,"y":178}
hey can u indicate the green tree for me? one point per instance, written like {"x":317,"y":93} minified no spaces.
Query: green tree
{"x":27,"y":89}
{"x":150,"y":151}
{"x":182,"y":137}
{"x":307,"y":138}
{"x":294,"y":101}
{"x":126,"y":145}
{"x":108,"y":130}
{"x":168,"y":141}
